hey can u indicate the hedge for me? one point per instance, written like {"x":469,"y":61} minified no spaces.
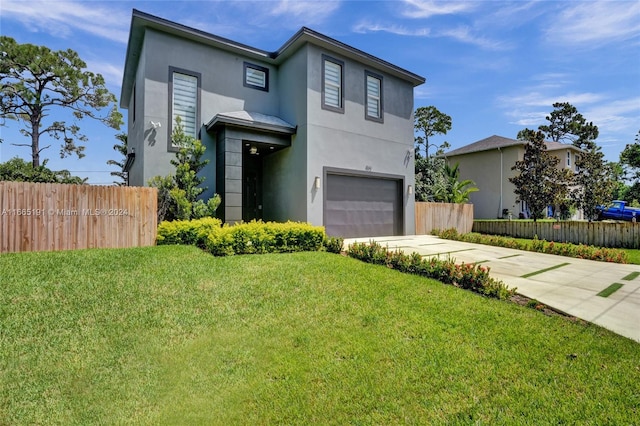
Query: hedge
{"x":580,"y":251}
{"x":469,"y":276}
{"x":254,"y":237}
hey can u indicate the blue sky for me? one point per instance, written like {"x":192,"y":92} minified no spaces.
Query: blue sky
{"x":495,"y":67}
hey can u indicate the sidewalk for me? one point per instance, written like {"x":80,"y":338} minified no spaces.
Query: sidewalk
{"x":566,"y":284}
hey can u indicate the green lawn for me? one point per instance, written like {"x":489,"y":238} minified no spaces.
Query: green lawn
{"x":171,"y":335}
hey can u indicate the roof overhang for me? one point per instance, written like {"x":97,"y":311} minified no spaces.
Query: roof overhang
{"x":252,"y":120}
{"x":141,"y":21}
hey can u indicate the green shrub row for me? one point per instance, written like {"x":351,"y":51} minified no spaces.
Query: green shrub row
{"x":580,"y":251}
{"x":468,"y":276}
{"x":247,"y":238}
{"x":188,"y":232}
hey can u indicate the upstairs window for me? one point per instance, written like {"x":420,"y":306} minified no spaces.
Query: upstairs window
{"x":569,"y":159}
{"x":373,"y":89}
{"x":332,"y":84}
{"x":256,"y":77}
{"x":184,"y":102}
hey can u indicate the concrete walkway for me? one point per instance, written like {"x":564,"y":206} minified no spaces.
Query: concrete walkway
{"x":566,"y":284}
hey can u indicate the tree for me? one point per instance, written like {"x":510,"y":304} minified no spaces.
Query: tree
{"x":595,"y":182}
{"x":539,"y":180}
{"x":120,"y":148}
{"x":35,"y":79}
{"x":630,"y":157}
{"x":178,"y":194}
{"x":429,"y":169}
{"x":430,"y":176}
{"x":19,"y":170}
{"x":430,"y":122}
{"x":454,"y":190}
{"x":567,"y":125}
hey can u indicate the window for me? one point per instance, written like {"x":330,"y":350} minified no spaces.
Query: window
{"x":332,"y":89}
{"x":576,"y":159}
{"x":256,"y":77}
{"x":373,"y":90}
{"x":569,"y":159}
{"x":185,"y":98}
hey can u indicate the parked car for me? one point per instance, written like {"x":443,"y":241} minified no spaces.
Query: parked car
{"x":618,"y":210}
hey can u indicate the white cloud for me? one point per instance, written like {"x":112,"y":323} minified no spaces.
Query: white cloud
{"x":111,"y":73}
{"x":66,"y":18}
{"x":365,"y":27}
{"x":617,"y":116}
{"x":595,"y":23}
{"x":461,"y":34}
{"x":464,"y":34}
{"x":420,"y":9}
{"x":534,"y":98}
{"x":306,"y":10}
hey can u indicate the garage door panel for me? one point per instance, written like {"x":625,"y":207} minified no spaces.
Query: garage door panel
{"x":357,"y":206}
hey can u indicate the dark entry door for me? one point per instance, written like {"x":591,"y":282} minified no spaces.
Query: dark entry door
{"x":251,"y":188}
{"x":363,"y":206}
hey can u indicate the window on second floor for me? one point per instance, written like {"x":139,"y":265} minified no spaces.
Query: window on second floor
{"x":256,"y":77}
{"x":373,"y":90}
{"x":332,"y":84}
{"x":184,"y":102}
{"x":569,"y":159}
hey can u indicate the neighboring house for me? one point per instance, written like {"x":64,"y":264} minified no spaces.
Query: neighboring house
{"x":317,"y":131}
{"x":488,"y":163}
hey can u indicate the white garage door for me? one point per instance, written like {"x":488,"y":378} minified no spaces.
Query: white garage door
{"x":362,"y":206}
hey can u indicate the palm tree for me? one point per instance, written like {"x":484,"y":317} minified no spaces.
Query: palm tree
{"x":455,"y":191}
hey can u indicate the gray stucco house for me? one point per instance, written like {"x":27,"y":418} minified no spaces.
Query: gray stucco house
{"x":317,"y":131}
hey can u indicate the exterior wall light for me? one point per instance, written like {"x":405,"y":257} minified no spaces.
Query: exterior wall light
{"x":409,"y":189}
{"x":316,"y":182}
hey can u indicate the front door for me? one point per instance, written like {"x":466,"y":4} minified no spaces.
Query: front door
{"x":251,"y":187}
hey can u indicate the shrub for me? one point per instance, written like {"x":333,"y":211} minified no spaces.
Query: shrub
{"x":243,"y":238}
{"x":191,"y":232}
{"x":468,"y":276}
{"x":333,"y":244}
{"x":580,"y":251}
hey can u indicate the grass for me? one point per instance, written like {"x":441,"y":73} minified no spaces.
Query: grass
{"x":610,"y":290}
{"x":633,"y":255}
{"x":541,"y":271}
{"x":171,"y":335}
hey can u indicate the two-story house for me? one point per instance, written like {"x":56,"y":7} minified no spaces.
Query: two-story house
{"x":488,"y":163}
{"x":317,"y":131}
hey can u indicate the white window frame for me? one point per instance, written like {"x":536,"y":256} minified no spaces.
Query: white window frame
{"x":251,"y":71}
{"x":186,"y":108}
{"x":569,"y":159}
{"x":372,"y":97}
{"x":330,"y":85}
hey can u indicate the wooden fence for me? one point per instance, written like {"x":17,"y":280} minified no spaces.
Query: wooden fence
{"x":430,"y":216}
{"x":48,"y":216}
{"x":601,"y":234}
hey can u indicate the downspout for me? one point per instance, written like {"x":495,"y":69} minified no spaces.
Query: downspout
{"x":500,"y":205}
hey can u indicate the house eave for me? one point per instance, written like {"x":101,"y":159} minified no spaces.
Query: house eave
{"x":141,"y":21}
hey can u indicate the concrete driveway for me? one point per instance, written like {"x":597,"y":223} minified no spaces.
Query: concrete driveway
{"x":566,"y":284}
